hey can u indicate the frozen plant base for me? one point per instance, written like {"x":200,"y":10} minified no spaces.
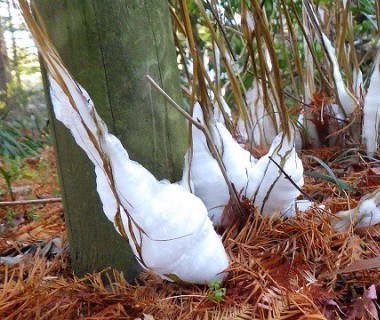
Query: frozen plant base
{"x":367,"y":213}
{"x":261,"y":180}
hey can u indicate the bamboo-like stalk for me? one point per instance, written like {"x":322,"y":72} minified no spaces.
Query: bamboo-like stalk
{"x":257,"y":52}
{"x":210,"y":142}
{"x":296,"y":53}
{"x":352,"y":102}
{"x":344,"y":26}
{"x":308,"y":39}
{"x":377,"y":10}
{"x":235,"y":85}
{"x":277,"y":79}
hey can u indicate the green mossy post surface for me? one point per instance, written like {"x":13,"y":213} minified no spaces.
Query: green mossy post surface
{"x":109,"y":47}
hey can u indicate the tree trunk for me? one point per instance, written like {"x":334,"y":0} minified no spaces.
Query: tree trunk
{"x":109,"y":46}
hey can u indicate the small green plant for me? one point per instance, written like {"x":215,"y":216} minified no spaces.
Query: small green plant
{"x":57,"y":192}
{"x":10,"y":215}
{"x":216,"y":292}
{"x":342,"y":186}
{"x":10,"y":171}
{"x":14,"y":143}
{"x":14,"y":146}
{"x":8,"y":180}
{"x":33,"y":214}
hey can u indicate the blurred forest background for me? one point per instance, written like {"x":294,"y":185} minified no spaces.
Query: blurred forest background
{"x":21,"y":84}
{"x":23,"y":114}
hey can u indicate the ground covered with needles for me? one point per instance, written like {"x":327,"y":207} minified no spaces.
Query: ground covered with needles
{"x":293,"y":269}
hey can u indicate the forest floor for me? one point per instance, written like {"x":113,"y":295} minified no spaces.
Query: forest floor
{"x":280,"y":269}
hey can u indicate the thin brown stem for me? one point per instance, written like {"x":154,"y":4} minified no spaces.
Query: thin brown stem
{"x":26,"y":202}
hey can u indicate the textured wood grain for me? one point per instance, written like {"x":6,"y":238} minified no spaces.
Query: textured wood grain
{"x":109,"y":46}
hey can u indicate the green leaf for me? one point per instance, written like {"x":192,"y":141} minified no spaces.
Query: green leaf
{"x":343,"y":186}
{"x":216,"y":292}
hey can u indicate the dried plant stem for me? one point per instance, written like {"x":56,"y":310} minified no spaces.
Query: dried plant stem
{"x":345,"y":26}
{"x":306,"y":35}
{"x":277,"y":85}
{"x":293,"y":43}
{"x":221,"y":27}
{"x":359,"y":265}
{"x":291,"y":180}
{"x":235,"y":84}
{"x":184,"y":296}
{"x":25,"y":202}
{"x":377,"y":5}
{"x":210,"y":142}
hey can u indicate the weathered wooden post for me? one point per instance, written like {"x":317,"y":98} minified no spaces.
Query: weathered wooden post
{"x":109,"y":47}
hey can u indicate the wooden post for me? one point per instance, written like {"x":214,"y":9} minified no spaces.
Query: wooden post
{"x":109,"y":47}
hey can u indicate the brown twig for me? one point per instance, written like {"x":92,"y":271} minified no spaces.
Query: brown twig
{"x":25,"y":202}
{"x":291,"y":180}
